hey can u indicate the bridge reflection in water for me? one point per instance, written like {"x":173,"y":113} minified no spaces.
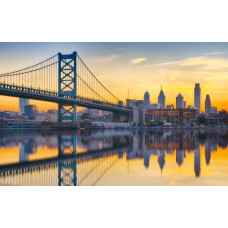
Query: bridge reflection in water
{"x":83,"y":158}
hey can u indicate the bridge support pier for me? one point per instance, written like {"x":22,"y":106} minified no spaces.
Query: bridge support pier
{"x":67,"y":113}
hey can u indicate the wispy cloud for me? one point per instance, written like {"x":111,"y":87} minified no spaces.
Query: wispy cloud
{"x":138,"y":60}
{"x":216,"y":53}
{"x":200,"y":64}
{"x":109,"y":58}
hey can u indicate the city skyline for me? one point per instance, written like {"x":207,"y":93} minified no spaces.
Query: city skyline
{"x":138,"y":66}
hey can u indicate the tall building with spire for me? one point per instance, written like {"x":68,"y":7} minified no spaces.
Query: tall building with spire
{"x":197,"y":96}
{"x":146,"y":99}
{"x":207,"y":105}
{"x":161,"y":99}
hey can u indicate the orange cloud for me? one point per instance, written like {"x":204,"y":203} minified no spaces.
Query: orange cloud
{"x":138,"y":60}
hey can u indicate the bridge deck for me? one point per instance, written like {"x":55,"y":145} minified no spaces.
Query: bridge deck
{"x":49,"y":96}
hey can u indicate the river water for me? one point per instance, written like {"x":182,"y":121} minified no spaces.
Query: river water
{"x":114,"y":157}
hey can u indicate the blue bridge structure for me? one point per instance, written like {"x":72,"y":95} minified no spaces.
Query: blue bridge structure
{"x":65,"y":80}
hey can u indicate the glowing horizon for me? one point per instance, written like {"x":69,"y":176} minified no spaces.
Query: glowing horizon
{"x":140,"y":67}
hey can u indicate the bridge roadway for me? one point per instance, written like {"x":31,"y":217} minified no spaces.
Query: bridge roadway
{"x":49,"y":96}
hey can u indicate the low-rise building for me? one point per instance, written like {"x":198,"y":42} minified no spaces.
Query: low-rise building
{"x":173,"y":116}
{"x":214,"y":110}
{"x":170,"y":106}
{"x":52,"y":115}
{"x":131,"y":102}
{"x":31,"y":111}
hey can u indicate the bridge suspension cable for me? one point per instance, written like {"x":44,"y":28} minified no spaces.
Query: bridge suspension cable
{"x":45,"y":76}
{"x":89,"y":86}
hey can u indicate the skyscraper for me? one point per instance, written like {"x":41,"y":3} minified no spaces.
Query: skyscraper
{"x":197,"y":96}
{"x":161,"y":99}
{"x":179,"y":101}
{"x":22,"y":103}
{"x":147,"y":99}
{"x":185,"y":104}
{"x":207,"y":105}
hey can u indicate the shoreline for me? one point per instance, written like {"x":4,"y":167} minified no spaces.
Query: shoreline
{"x":113,"y":128}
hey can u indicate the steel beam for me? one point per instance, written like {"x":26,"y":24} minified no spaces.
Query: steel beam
{"x":67,"y":85}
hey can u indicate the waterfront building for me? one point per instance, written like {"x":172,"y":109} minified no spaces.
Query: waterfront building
{"x":120,"y":103}
{"x":147,"y":99}
{"x":223,"y":113}
{"x":214,"y":110}
{"x":41,"y":116}
{"x":52,"y":115}
{"x":22,"y":103}
{"x":170,"y":106}
{"x":207,"y":105}
{"x":197,"y":96}
{"x":161,"y":99}
{"x":173,"y":116}
{"x":179,"y":101}
{"x":31,"y":111}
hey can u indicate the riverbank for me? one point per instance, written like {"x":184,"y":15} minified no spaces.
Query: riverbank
{"x":33,"y":124}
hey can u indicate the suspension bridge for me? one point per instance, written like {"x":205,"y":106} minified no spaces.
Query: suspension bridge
{"x":65,"y":80}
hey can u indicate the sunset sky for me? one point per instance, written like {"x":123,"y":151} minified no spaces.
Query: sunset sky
{"x":139,"y":66}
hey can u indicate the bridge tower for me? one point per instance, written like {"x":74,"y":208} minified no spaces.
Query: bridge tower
{"x":67,"y":85}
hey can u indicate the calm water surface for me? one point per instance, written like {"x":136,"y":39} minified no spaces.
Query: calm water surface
{"x":114,"y":157}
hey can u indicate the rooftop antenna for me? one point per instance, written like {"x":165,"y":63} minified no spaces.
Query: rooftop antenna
{"x":128,"y":92}
{"x":161,"y":86}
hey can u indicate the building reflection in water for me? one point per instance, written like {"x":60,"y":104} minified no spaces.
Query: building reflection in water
{"x":197,"y":162}
{"x":161,"y":160}
{"x":84,"y":157}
